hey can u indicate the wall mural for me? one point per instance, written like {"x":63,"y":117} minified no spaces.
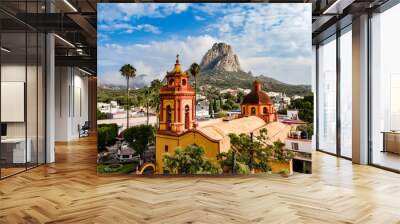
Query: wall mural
{"x":204,"y":88}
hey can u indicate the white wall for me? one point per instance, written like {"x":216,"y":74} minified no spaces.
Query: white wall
{"x":71,"y":102}
{"x":304,"y":145}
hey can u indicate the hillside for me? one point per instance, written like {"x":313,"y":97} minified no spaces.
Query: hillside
{"x":224,"y":79}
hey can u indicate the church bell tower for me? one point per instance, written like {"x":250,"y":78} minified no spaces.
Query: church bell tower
{"x":177,"y":114}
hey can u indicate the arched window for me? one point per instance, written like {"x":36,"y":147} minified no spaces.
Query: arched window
{"x":265,"y":110}
{"x":171,"y":82}
{"x":187,"y":117}
{"x":253,"y":111}
{"x":183,"y":82}
{"x":244,"y":110}
{"x":169,"y":117}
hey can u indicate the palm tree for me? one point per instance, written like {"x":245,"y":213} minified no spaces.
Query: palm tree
{"x":155,"y":86}
{"x":147,"y":98}
{"x":127,"y":71}
{"x":195,"y":70}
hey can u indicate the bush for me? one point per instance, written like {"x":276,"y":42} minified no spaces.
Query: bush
{"x":263,"y":166}
{"x":101,"y":115}
{"x":116,"y":168}
{"x":221,"y":114}
{"x":138,"y":137}
{"x":242,"y":168}
{"x":106,"y":134}
{"x":113,"y":168}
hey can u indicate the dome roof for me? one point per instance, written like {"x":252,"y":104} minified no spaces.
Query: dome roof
{"x":257,"y":96}
{"x":177,"y":70}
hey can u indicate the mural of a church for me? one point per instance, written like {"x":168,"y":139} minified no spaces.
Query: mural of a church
{"x":178,"y":126}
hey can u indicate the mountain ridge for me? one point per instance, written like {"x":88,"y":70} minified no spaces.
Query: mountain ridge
{"x":220,"y":67}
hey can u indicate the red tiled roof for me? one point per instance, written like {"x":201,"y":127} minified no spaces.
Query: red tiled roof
{"x":257,"y":97}
{"x":290,"y":121}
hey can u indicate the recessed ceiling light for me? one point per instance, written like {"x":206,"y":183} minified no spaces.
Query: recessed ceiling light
{"x":70,"y":5}
{"x":84,"y":71}
{"x":64,"y":40}
{"x":5,"y":50}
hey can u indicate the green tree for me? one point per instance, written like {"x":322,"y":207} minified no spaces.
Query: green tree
{"x":147,"y":99}
{"x":307,"y":130}
{"x":155,"y":87}
{"x":191,"y":160}
{"x":239,"y":97}
{"x":305,"y":107}
{"x":282,"y":111}
{"x":248,"y":153}
{"x":106,"y":134}
{"x":195,"y":71}
{"x":230,"y":105}
{"x":212,"y":94}
{"x":127,"y":71}
{"x":280,"y":154}
{"x":210,"y":109}
{"x":139,"y":137}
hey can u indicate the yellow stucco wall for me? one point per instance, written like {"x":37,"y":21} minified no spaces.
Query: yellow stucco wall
{"x":166,"y":103}
{"x":248,"y":109}
{"x":211,"y":148}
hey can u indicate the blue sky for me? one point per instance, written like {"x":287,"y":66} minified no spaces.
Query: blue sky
{"x":270,"y":39}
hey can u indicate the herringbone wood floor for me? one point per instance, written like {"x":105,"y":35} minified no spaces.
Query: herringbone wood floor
{"x":70,"y":191}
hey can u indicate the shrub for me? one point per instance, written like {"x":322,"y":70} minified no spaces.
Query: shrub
{"x":263,"y":166}
{"x":113,"y":168}
{"x":221,"y":114}
{"x":101,"y":115}
{"x":242,"y":168}
{"x":285,"y":172}
{"x":106,"y":134}
{"x":139,"y":137}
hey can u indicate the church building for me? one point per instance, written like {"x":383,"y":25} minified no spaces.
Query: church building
{"x":258,"y":103}
{"x":178,"y":126}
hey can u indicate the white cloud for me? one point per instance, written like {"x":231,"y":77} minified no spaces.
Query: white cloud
{"x":123,"y":11}
{"x":154,"y":58}
{"x":128,"y":28}
{"x":199,"y":18}
{"x":279,"y":30}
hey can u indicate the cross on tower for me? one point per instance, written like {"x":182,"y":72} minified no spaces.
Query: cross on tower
{"x":177,"y":58}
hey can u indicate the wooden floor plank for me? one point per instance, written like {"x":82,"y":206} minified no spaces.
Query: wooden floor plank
{"x":70,"y":191}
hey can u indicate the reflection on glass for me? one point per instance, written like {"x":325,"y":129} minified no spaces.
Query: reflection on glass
{"x":386,"y":89}
{"x":346,"y":94}
{"x":14,"y":153}
{"x":41,"y":99}
{"x":31,"y":97}
{"x":327,"y":97}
